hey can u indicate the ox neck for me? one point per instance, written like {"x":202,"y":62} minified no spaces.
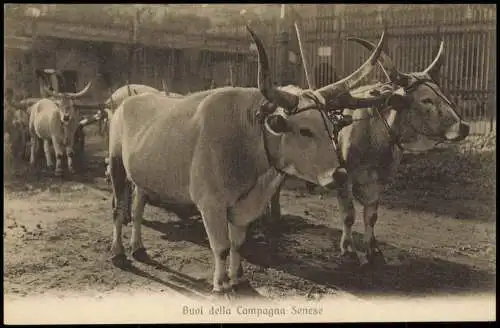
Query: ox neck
{"x":391,"y":120}
{"x":271,"y":147}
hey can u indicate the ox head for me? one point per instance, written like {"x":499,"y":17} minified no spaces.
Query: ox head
{"x":66,"y":106}
{"x":299,"y":118}
{"x":427,"y":113}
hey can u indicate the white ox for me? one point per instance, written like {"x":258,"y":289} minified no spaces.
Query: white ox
{"x":55,"y":122}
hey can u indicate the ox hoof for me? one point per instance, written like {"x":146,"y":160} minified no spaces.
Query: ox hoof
{"x":349,"y":259}
{"x":120,"y":261}
{"x":242,"y":286}
{"x":141,"y":255}
{"x":222,"y":296}
{"x":58,"y":172}
{"x":375,"y":257}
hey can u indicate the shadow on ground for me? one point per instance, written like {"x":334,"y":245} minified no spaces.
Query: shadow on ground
{"x":24,"y":178}
{"x":309,"y":251}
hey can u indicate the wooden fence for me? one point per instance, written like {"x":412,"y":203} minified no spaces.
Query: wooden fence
{"x":468,"y":74}
{"x":469,"y":33}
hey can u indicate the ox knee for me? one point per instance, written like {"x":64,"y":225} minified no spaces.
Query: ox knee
{"x":139,"y":203}
{"x":216,"y":226}
{"x":346,"y":241}
{"x":237,"y":236}
{"x":348,"y":216}
{"x":59,"y":158}
{"x":370,"y":219}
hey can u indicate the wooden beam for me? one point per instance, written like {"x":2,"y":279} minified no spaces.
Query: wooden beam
{"x":148,"y":37}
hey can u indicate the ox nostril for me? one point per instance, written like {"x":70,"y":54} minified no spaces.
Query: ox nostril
{"x":66,"y":118}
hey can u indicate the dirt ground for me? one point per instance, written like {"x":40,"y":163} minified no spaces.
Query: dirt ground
{"x":57,"y":237}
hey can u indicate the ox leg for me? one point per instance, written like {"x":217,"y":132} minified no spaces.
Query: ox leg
{"x":48,"y":154}
{"x":25,"y":140}
{"x":237,"y":235}
{"x":138,"y":204}
{"x":58,"y":149}
{"x":368,"y":194}
{"x":121,"y":209}
{"x":33,"y":146}
{"x":215,"y":221}
{"x":70,"y":154}
{"x":373,"y":253}
{"x":275,"y":207}
{"x":346,"y":204}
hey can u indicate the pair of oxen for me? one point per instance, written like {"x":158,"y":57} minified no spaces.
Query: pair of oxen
{"x":224,"y":153}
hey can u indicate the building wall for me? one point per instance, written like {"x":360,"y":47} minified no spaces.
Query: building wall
{"x":69,"y":55}
{"x":16,"y":72}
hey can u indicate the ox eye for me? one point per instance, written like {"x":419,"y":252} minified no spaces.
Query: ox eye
{"x":427,"y":101}
{"x":306,"y":133}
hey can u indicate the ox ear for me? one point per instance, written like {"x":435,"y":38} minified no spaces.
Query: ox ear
{"x":277,"y":124}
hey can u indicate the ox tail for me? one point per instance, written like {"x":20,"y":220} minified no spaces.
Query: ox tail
{"x":122,"y":189}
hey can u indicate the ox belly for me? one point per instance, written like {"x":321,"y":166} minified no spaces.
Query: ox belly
{"x":157,"y":154}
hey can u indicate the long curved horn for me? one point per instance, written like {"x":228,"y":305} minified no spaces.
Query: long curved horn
{"x":81,"y":93}
{"x":264,"y":82}
{"x":436,"y":64}
{"x":352,"y":80}
{"x":165,"y":87}
{"x":384,"y":60}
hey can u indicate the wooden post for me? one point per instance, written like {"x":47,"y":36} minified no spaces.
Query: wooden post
{"x":131,"y":53}
{"x":34,"y":44}
{"x":133,"y":56}
{"x":33,"y":58}
{"x":283,"y":38}
{"x":491,"y":100}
